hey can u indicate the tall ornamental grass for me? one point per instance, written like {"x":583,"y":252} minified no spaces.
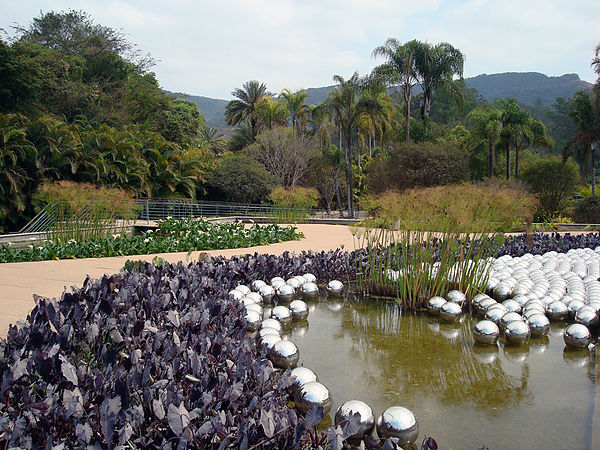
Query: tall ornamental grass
{"x":425,"y":242}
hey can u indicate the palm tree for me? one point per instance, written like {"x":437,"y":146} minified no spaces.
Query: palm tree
{"x":342,"y":102}
{"x":298,"y":110}
{"x":436,"y":66}
{"x":376,"y":117}
{"x":334,"y":158}
{"x":487,"y":127}
{"x":586,"y":115}
{"x":399,"y":69}
{"x":319,"y":124}
{"x":271,"y":112}
{"x":212,"y":139}
{"x":244,"y":108}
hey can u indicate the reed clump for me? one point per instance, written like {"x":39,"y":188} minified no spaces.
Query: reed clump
{"x":425,"y":242}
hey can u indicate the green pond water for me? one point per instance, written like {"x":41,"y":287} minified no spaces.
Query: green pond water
{"x":537,"y":395}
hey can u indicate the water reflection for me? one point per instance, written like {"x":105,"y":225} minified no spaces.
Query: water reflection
{"x":401,"y":352}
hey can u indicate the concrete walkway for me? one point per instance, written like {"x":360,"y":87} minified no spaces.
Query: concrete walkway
{"x":20,"y":281}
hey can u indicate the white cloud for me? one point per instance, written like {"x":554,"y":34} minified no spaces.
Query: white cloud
{"x":211,"y":47}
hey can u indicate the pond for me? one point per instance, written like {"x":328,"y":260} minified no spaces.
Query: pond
{"x":538,"y":395}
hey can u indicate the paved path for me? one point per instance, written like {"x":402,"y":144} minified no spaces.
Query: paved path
{"x":20,"y":281}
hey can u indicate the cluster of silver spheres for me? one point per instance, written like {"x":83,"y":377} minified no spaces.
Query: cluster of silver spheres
{"x":525,"y":294}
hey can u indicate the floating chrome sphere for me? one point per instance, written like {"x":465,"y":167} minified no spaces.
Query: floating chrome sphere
{"x":557,"y":310}
{"x":512,"y":306}
{"x":301,"y":376}
{"x":285,"y":292}
{"x":538,"y":324}
{"x":255,"y":296}
{"x":495,"y":314}
{"x":269,"y":340}
{"x":243,"y":289}
{"x":450,"y":311}
{"x":271,"y":323}
{"x":255,"y":307}
{"x":517,"y":332}
{"x":577,"y":335}
{"x":294,"y":282}
{"x":253,"y":320}
{"x":236,"y":295}
{"x":277,"y":280}
{"x":456,"y":296}
{"x":351,"y":407}
{"x":268,"y":330}
{"x":267,"y":292}
{"x":508,"y":318}
{"x":310,"y":289}
{"x":284,"y":354}
{"x":574,"y":306}
{"x":247,"y":301}
{"x":335,"y":287}
{"x":256,"y":285}
{"x":300,"y":279}
{"x":310,"y":278}
{"x":282,"y":313}
{"x":398,"y":422}
{"x":486,"y":332}
{"x":312,"y":394}
{"x":487,"y":303}
{"x":277,"y":283}
{"x":476,"y":302}
{"x":501,"y":292}
{"x":299,"y":309}
{"x":434,"y":304}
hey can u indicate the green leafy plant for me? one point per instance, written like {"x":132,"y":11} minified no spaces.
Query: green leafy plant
{"x":293,"y":204}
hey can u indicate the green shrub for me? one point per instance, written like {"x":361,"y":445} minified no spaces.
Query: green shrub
{"x":294,"y":203}
{"x":587,"y":210}
{"x":418,"y":165}
{"x":554,"y":181}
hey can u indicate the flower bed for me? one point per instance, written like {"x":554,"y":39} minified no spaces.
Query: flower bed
{"x":182,"y":235}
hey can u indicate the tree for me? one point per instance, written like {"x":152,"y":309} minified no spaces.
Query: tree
{"x":245,"y":105}
{"x":283,"y":154}
{"x":554,"y":181}
{"x":342,"y":102}
{"x":486,"y":122}
{"x":182,"y":122}
{"x":271,"y":112}
{"x":399,"y":69}
{"x":297,"y":108}
{"x":585,"y":113}
{"x":240,"y":178}
{"x":212,"y":140}
{"x":436,"y":66}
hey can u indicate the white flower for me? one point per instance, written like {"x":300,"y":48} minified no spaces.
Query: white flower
{"x":147,"y":239}
{"x":71,"y":241}
{"x":169,"y":217}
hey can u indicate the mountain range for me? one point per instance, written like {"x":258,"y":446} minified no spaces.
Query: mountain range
{"x":530,"y":88}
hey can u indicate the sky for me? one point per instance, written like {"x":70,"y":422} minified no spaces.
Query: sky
{"x":210,"y":48}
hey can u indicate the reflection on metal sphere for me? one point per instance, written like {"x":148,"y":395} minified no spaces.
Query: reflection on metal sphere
{"x":456,"y":297}
{"x":243,"y":289}
{"x":512,"y":306}
{"x":494,"y":314}
{"x":517,"y":332}
{"x":310,"y":278}
{"x":255,"y":296}
{"x":312,"y":394}
{"x":577,"y":335}
{"x":586,"y":316}
{"x":293,"y":282}
{"x":277,"y":280}
{"x":335,"y":287}
{"x":557,"y":310}
{"x":301,"y":376}
{"x":256,"y":285}
{"x":434,"y":304}
{"x":247,"y":301}
{"x":398,"y":422}
{"x":351,"y":407}
{"x":450,"y":312}
{"x":254,"y":307}
{"x":283,"y":314}
{"x":299,"y":309}
{"x":235,"y":294}
{"x":310,"y":289}
{"x":268,"y":330}
{"x":277,"y":283}
{"x":486,"y":332}
{"x":253,"y":320}
{"x":538,"y":324}
{"x":574,"y":306}
{"x":284,"y":354}
{"x":300,"y":279}
{"x":285,"y":292}
{"x":270,"y":340}
{"x":267,"y":292}
{"x":501,"y":292}
{"x":508,"y":318}
{"x":271,"y":323}
{"x":488,"y":303}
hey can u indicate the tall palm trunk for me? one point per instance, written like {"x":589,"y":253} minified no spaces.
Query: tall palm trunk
{"x":593,"y":168}
{"x":407,"y":94}
{"x":349,"y":175}
{"x":508,"y":161}
{"x":516,"y":161}
{"x":490,"y":159}
{"x":338,"y":197}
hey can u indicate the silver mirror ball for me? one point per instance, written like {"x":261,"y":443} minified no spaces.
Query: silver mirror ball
{"x":486,"y":332}
{"x":284,"y":354}
{"x":351,"y":407}
{"x":398,"y":422}
{"x":577,"y":335}
{"x":312,"y":394}
{"x":450,"y":312}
